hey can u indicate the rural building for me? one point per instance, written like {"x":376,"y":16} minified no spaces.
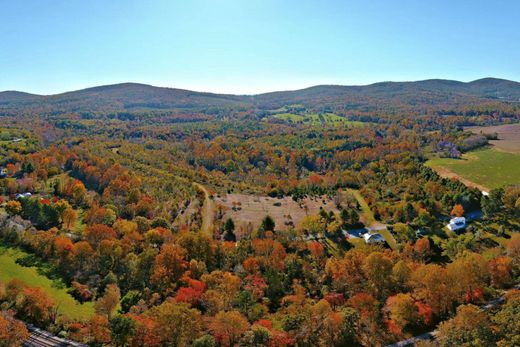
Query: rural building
{"x":3,"y":172}
{"x":373,"y":238}
{"x":23,"y":195}
{"x":457,"y":223}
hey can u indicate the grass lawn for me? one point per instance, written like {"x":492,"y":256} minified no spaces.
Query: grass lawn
{"x":290,"y":117}
{"x":498,"y":239}
{"x":491,"y":230}
{"x":389,"y":238}
{"x":316,"y":119}
{"x":367,"y":215}
{"x":357,"y":242}
{"x":32,"y":276}
{"x":80,"y":226}
{"x":448,"y":233}
{"x":487,"y":167}
{"x":333,"y":248}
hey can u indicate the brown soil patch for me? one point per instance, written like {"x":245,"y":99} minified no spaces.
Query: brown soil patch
{"x":446,"y":173}
{"x":245,"y":209}
{"x":508,"y":134}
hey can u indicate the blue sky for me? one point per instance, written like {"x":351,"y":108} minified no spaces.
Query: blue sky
{"x":253,"y":46}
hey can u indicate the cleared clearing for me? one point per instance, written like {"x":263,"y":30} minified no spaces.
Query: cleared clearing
{"x":508,"y":136}
{"x":367,"y":217}
{"x":207,"y":209}
{"x":446,"y":173}
{"x":318,"y":119}
{"x":30,"y":275}
{"x":245,"y":209}
{"x":484,"y":168}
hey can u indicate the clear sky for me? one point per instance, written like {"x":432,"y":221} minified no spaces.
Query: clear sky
{"x":249,"y":46}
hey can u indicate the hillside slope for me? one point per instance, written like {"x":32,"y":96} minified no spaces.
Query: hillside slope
{"x":132,"y":96}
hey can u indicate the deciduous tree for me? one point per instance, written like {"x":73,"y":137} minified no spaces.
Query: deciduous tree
{"x":470,"y":327}
{"x":12,"y":331}
{"x":106,"y":304}
{"x":228,"y":327}
{"x":457,"y":211}
{"x":403,"y":311}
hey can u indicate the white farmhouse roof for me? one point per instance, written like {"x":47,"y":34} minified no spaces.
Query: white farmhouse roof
{"x":373,"y":238}
{"x":23,"y":195}
{"x":457,"y":223}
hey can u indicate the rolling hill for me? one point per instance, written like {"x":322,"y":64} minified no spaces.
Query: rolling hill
{"x":134,"y":96}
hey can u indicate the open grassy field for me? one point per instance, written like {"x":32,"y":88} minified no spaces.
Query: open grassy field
{"x":11,"y":139}
{"x":508,"y":136}
{"x":318,"y":119}
{"x":488,"y":168}
{"x":253,"y":208}
{"x":367,"y":217}
{"x":32,"y":276}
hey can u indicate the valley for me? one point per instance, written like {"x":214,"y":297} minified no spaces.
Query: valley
{"x":259,"y":173}
{"x":485,"y":169}
{"x":508,"y":136}
{"x":142,"y":206}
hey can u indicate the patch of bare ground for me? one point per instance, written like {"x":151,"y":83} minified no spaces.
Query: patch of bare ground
{"x":508,"y":136}
{"x":251,"y":209}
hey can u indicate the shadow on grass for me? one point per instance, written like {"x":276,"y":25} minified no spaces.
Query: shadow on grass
{"x":43,"y":269}
{"x":488,"y":243}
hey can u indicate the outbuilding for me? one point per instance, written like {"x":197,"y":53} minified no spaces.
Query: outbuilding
{"x":457,"y":223}
{"x":23,"y":195}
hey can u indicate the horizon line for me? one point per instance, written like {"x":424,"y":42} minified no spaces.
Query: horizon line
{"x":255,"y":93}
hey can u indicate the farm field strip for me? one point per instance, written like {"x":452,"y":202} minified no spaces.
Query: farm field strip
{"x":487,"y":167}
{"x":253,"y":208}
{"x":508,"y":136}
{"x":316,"y":119}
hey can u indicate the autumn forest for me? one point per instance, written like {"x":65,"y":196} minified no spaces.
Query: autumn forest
{"x":305,"y":218}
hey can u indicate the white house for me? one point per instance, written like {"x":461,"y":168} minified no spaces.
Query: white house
{"x":457,"y":223}
{"x":373,"y":238}
{"x":420,"y":233}
{"x":23,"y":195}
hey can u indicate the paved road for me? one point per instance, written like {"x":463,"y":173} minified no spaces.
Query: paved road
{"x":42,"y":338}
{"x":432,"y":334}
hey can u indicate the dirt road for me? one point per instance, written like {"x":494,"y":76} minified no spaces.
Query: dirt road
{"x":446,"y":173}
{"x":207,"y":210}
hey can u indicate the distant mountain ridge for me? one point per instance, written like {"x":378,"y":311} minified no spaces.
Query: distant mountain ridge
{"x":131,"y":96}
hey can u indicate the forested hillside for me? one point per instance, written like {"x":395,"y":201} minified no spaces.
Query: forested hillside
{"x":304,"y":218}
{"x":132,"y":96}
